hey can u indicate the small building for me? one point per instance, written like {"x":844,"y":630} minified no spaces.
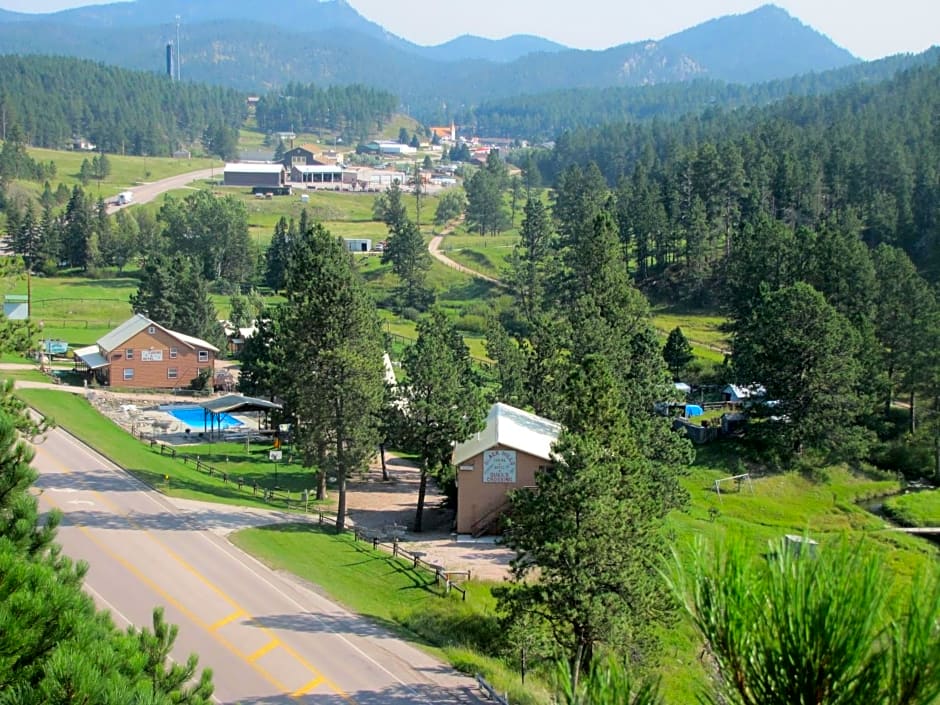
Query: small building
{"x":16,"y":307}
{"x":445,"y":133}
{"x":357,"y":244}
{"x":388,"y":147}
{"x":506,"y":455}
{"x":143,"y":354}
{"x":317,"y":174}
{"x":182,"y":154}
{"x":255,"y":175}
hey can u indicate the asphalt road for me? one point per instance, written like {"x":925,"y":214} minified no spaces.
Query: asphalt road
{"x":148,"y":192}
{"x":267,"y":637}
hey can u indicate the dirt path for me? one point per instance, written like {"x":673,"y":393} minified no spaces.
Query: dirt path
{"x":434,"y":250}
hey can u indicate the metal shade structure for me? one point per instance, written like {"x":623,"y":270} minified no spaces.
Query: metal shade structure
{"x":233,"y":404}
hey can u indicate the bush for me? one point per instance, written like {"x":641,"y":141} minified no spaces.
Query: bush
{"x":913,"y":460}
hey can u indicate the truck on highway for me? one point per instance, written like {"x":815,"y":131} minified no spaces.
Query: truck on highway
{"x":124,"y":198}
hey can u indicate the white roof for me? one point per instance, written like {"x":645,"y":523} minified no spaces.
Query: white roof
{"x":254,"y":168}
{"x":390,"y":378}
{"x":514,"y":428}
{"x":318,"y":168}
{"x":91,"y":356}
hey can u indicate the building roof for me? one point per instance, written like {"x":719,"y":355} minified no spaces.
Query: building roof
{"x":312,"y":148}
{"x":91,"y":357}
{"x":514,"y":428}
{"x":254,"y":168}
{"x":138,"y":322}
{"x":236,"y":403}
{"x":318,"y":168}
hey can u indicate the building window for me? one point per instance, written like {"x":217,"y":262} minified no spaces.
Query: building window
{"x":203,"y":356}
{"x":129,"y":353}
{"x":173,"y":353}
{"x":151,"y":330}
{"x":128,"y":373}
{"x":172,"y":373}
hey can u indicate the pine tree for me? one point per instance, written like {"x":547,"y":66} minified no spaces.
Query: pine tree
{"x":677,"y":352}
{"x":334,"y":377}
{"x":442,"y":403}
{"x":410,"y":262}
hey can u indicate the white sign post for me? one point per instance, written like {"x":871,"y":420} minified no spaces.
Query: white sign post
{"x":275,"y":457}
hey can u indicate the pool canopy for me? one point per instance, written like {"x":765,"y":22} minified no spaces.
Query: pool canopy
{"x":238,"y":404}
{"x":233,"y":404}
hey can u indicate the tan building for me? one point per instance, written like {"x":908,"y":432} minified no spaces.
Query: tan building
{"x":506,"y":455}
{"x":142,"y":354}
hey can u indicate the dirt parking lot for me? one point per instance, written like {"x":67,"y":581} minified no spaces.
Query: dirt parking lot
{"x":390,"y":507}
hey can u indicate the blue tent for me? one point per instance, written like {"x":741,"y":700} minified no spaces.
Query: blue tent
{"x":693,"y":410}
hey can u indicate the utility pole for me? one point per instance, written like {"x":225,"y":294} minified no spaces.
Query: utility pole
{"x":179,"y":53}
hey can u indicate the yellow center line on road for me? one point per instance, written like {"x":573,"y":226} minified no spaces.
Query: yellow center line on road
{"x":300,"y":692}
{"x":266,"y":649}
{"x":190,"y":569}
{"x":215,"y":626}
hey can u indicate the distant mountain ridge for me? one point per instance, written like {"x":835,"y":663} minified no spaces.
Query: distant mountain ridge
{"x":244,"y":44}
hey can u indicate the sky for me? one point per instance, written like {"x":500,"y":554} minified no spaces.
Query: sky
{"x":870,"y":29}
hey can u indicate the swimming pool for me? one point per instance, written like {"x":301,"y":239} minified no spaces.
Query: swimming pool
{"x":196,"y":418}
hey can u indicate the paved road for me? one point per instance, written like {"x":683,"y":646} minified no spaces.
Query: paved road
{"x":268,"y":638}
{"x":148,"y":192}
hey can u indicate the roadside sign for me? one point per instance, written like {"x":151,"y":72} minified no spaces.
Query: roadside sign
{"x":275,"y":455}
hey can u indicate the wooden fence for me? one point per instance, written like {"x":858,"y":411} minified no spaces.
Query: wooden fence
{"x":301,"y":502}
{"x":490,"y":692}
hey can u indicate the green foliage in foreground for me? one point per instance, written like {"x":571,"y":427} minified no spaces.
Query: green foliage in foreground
{"x":790,"y":627}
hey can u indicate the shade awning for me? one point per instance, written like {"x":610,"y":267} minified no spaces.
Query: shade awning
{"x":236,"y":403}
{"x":91,"y":357}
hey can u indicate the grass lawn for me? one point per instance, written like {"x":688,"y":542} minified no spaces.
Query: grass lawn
{"x":125,"y":171}
{"x":390,"y":592}
{"x":78,"y":417}
{"x":25,"y":375}
{"x":920,"y":509}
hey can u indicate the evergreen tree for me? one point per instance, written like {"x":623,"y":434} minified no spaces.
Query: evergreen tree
{"x":677,"y":352}
{"x":334,"y":377}
{"x":442,"y":403}
{"x":278,"y":254}
{"x":410,"y":262}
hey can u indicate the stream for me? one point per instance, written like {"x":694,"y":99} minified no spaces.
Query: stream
{"x":875,"y":505}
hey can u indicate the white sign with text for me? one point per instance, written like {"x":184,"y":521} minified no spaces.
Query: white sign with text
{"x":151,"y":355}
{"x":499,"y":466}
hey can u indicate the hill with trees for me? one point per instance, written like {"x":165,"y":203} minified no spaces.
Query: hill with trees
{"x":240,"y":44}
{"x":56,"y":99}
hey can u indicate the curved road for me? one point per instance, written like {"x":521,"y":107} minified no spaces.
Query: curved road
{"x":150,"y":191}
{"x":268,"y":638}
{"x":434,"y":249}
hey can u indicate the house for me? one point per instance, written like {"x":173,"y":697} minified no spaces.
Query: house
{"x":506,"y":455}
{"x":182,"y":154}
{"x":80,"y":144}
{"x":304,"y":155}
{"x":143,"y":354}
{"x":236,"y":336}
{"x":445,"y":133}
{"x":255,"y":175}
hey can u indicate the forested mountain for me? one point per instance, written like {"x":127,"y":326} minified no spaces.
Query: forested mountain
{"x":54,"y":99}
{"x":866,"y":157}
{"x":511,"y":48}
{"x":244,"y":45}
{"x":546,"y":115}
{"x":354,"y":111}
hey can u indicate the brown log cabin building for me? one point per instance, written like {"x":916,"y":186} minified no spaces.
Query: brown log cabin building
{"x":142,"y":354}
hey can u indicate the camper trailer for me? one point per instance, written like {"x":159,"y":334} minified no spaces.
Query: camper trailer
{"x":124,"y":198}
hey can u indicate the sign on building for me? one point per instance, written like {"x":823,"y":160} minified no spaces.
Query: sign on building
{"x":151,"y":355}
{"x":499,"y":466}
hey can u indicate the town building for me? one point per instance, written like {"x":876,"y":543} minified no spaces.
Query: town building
{"x":255,"y":175}
{"x":143,"y":354}
{"x":387,"y":147}
{"x":506,"y":455}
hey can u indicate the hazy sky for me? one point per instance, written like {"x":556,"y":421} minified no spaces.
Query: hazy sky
{"x":869,"y":29}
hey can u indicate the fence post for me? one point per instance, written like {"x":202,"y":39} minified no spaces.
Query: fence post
{"x":375,"y":543}
{"x":395,"y":547}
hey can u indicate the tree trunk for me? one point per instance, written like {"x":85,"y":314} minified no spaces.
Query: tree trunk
{"x":576,"y":667}
{"x":913,"y":413}
{"x":340,"y":486}
{"x":384,"y":467}
{"x":422,"y":490}
{"x":321,"y":476}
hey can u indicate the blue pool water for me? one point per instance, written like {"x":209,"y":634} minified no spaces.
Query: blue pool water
{"x":196,"y":419}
